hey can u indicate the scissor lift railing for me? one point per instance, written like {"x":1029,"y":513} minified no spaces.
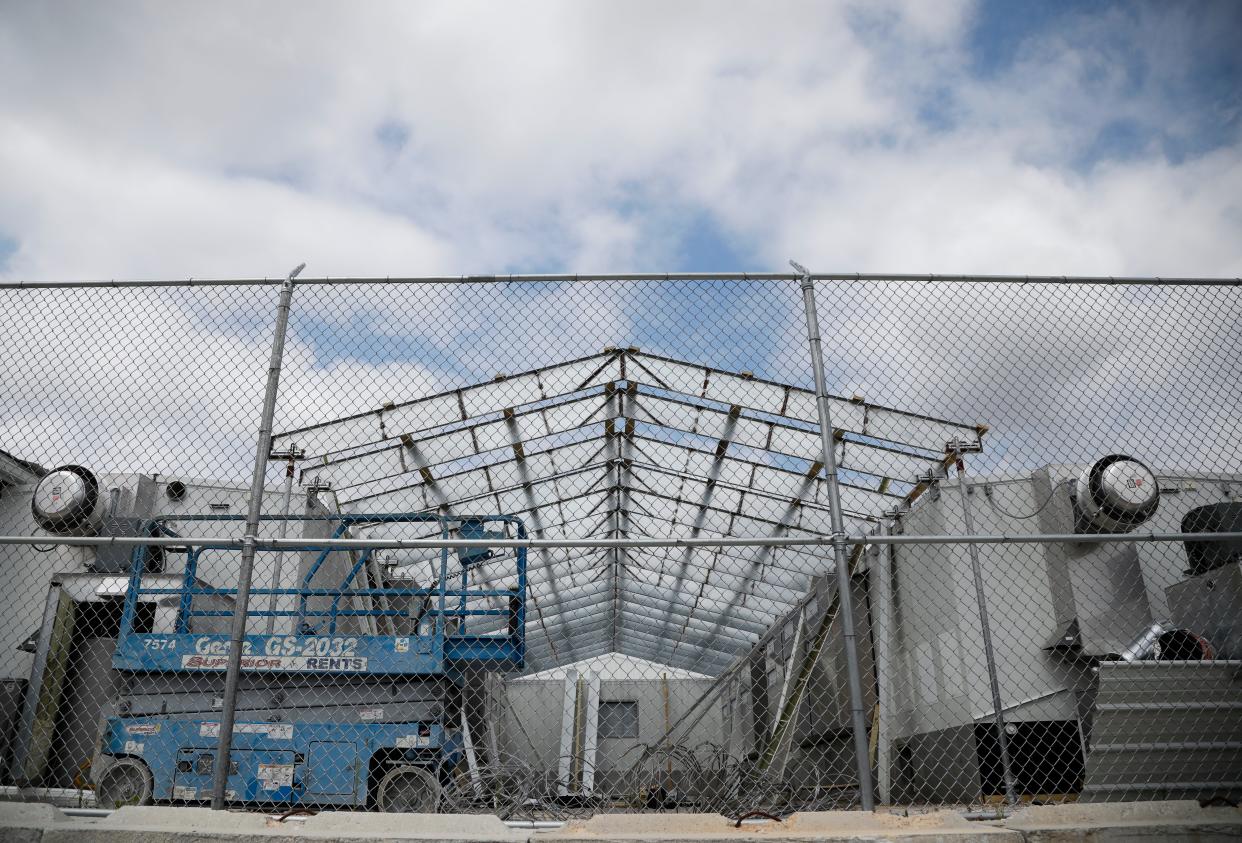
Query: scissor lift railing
{"x":445,"y":633}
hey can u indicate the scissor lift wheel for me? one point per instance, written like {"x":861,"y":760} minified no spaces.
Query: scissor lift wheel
{"x":408,"y":790}
{"x":126,"y":782}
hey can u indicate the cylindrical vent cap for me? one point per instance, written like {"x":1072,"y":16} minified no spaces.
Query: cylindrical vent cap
{"x":1117,"y":493}
{"x":66,"y":501}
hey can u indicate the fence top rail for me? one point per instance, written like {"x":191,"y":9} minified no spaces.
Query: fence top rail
{"x":637,"y":276}
{"x":697,"y":541}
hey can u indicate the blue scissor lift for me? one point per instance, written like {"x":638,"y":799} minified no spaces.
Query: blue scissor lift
{"x":328,"y":712}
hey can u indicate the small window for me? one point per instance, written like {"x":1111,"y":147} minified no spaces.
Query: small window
{"x":618,"y":719}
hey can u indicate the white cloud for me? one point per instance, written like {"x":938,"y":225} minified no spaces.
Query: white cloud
{"x":151,"y":140}
{"x":80,"y":211}
{"x":130,"y":380}
{"x":551,"y":134}
{"x":945,"y":211}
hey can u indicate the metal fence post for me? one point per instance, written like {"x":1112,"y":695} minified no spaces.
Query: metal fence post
{"x":238,"y":632}
{"x":858,"y":719}
{"x":998,"y":715}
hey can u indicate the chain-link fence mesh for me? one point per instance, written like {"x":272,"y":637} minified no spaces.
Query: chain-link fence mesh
{"x":544,"y":548}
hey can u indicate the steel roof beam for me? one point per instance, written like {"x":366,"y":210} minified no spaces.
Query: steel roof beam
{"x":732,"y":412}
{"x":596,"y":446}
{"x":642,"y":647}
{"x":453,"y":395}
{"x":805,"y":399}
{"x":620,"y":514}
{"x":760,"y":556}
{"x":648,"y":363}
{"x":810,"y":432}
{"x":667,"y":554}
{"x":639,"y":602}
{"x":475,"y":496}
{"x":709,"y":489}
{"x":474,"y":426}
{"x":663,"y":650}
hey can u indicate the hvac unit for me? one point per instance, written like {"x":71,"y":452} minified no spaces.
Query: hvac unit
{"x":1114,"y":495}
{"x":67,"y":502}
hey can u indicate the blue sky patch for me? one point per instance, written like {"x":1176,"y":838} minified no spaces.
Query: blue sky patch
{"x":1002,"y":27}
{"x":393,"y":135}
{"x":1172,"y":73}
{"x":706,"y":246}
{"x":1120,"y":140}
{"x":8,"y":248}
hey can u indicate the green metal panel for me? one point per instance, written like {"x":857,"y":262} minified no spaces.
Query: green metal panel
{"x":50,"y":689}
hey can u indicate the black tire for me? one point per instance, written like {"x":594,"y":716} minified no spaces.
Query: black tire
{"x":408,"y":790}
{"x":126,"y":782}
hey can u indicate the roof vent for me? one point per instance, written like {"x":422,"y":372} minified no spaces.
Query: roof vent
{"x":66,"y":502}
{"x":1115,"y":495}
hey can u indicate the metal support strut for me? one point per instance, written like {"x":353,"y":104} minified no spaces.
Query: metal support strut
{"x":290,"y":456}
{"x":237,"y":636}
{"x":1002,"y":739}
{"x":858,"y":718}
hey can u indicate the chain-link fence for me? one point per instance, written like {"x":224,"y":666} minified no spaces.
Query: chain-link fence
{"x":550,"y":546}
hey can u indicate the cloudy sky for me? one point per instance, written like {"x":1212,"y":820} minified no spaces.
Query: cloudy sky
{"x":176,"y":139}
{"x":169,"y":140}
{"x":162,"y":140}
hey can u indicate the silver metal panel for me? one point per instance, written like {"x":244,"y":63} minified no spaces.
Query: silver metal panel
{"x":1172,"y":727}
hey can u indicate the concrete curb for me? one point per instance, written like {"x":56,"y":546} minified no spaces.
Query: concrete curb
{"x":31,"y":823}
{"x":1176,"y":821}
{"x":1124,"y":821}
{"x":821,"y":827}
